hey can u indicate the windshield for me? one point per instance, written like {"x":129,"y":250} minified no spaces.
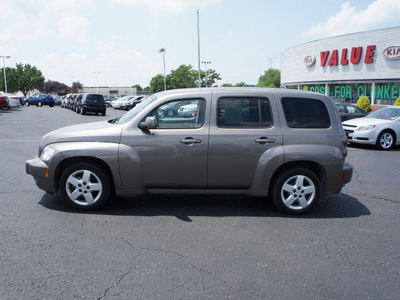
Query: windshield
{"x":387,"y":113}
{"x":136,"y":110}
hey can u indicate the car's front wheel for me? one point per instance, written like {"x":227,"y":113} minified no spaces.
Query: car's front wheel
{"x":295,"y":191}
{"x":385,"y":140}
{"x":85,"y":186}
{"x":39,"y":104}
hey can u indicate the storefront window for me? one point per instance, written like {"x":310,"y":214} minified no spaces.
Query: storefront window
{"x":349,"y":92}
{"x":387,"y":93}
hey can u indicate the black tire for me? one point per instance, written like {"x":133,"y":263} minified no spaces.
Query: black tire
{"x":103,"y":113}
{"x":85,"y":186}
{"x":83,"y":111}
{"x":51,"y":105}
{"x":27,"y":103}
{"x":78,"y":110}
{"x":295,"y":191}
{"x":39,"y":104}
{"x":385,"y":140}
{"x":170,"y":113}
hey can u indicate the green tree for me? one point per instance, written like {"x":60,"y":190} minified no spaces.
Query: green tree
{"x":183,"y":77}
{"x":212,"y":77}
{"x":12,"y":80}
{"x":157,"y":83}
{"x":138,"y":87}
{"x":270,"y":78}
{"x":227,"y":85}
{"x":29,"y":78}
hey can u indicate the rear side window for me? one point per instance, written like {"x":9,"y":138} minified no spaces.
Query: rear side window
{"x":305,"y":113}
{"x":95,"y":97}
{"x":244,"y":113}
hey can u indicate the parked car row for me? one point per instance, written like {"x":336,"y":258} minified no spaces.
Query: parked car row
{"x":8,"y":101}
{"x":126,"y":102}
{"x":84,"y":103}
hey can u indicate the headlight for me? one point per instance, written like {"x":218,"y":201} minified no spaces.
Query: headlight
{"x":366,"y":128}
{"x":47,"y":153}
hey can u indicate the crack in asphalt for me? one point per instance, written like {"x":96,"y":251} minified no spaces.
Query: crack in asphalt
{"x":203,"y":270}
{"x":373,"y":197}
{"x":106,"y":292}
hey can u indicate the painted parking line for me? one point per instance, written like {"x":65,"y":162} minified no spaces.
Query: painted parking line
{"x":21,"y":141}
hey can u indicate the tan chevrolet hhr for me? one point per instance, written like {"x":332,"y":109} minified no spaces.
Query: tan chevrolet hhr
{"x":285,"y":145}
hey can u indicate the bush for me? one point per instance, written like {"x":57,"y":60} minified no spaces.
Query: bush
{"x":397,"y":103}
{"x":364,"y":103}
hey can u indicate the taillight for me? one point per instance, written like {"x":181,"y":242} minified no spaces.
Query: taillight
{"x":44,"y":98}
{"x":85,"y":102}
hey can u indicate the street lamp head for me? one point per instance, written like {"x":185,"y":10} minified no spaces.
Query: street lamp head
{"x":162,"y":50}
{"x":6,"y":56}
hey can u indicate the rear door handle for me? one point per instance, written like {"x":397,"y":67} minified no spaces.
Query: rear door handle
{"x":264,"y":140}
{"x":190,"y":141}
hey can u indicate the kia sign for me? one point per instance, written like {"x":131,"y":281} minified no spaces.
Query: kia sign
{"x":309,"y":61}
{"x":392,"y":52}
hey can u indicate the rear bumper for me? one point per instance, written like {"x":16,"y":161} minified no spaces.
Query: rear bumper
{"x":347,"y":173}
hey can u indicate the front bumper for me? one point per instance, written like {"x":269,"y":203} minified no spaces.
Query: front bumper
{"x":40,"y":172}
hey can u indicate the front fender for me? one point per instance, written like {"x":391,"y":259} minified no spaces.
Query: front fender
{"x":105,"y":152}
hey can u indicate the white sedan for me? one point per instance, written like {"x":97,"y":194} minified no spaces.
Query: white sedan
{"x":381,"y":128}
{"x":13,"y":99}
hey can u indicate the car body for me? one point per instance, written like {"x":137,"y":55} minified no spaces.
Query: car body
{"x":189,"y":110}
{"x":4,"y":102}
{"x":91,"y":102}
{"x":134,"y":101}
{"x":121,"y":103}
{"x":40,"y":100}
{"x":171,"y":109}
{"x":57,"y":100}
{"x":348,"y":111}
{"x":14,"y":100}
{"x":285,"y":144}
{"x":380,"y":128}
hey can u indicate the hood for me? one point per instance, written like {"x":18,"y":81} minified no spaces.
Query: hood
{"x":88,"y":132}
{"x":366,"y":121}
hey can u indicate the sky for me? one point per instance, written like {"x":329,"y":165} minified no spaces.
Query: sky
{"x":116,"y":42}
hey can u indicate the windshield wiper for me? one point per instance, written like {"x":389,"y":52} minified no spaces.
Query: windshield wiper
{"x":114,"y":121}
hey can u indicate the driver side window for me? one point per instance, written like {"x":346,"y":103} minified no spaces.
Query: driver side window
{"x":180,"y":114}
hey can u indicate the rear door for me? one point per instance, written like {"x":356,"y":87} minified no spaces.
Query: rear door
{"x":243,"y":127}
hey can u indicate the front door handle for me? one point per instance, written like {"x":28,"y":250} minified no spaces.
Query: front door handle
{"x":190,"y":141}
{"x":264,"y":140}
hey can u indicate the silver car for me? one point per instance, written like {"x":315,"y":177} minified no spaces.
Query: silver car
{"x":285,"y":145}
{"x":381,"y":128}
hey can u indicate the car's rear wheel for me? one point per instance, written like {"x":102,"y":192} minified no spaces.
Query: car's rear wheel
{"x":296,"y":191}
{"x":170,"y":113}
{"x":385,"y":140}
{"x":39,"y":104}
{"x":85,"y":186}
{"x":83,"y":111}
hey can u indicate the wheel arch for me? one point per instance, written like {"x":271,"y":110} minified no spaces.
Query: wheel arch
{"x":87,"y":159}
{"x":313,"y":166}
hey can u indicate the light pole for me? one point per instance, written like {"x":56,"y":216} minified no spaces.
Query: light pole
{"x":4,"y":68}
{"x":162,"y":50}
{"x":205,"y":64}
{"x":97,"y":82}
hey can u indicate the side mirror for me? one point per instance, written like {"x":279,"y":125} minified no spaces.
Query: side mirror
{"x":149,"y":123}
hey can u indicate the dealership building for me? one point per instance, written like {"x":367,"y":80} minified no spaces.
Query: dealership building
{"x":348,"y":66}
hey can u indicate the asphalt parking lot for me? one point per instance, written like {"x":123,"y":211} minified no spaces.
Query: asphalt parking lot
{"x":193,"y":247}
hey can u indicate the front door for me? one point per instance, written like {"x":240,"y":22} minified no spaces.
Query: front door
{"x":174,"y":155}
